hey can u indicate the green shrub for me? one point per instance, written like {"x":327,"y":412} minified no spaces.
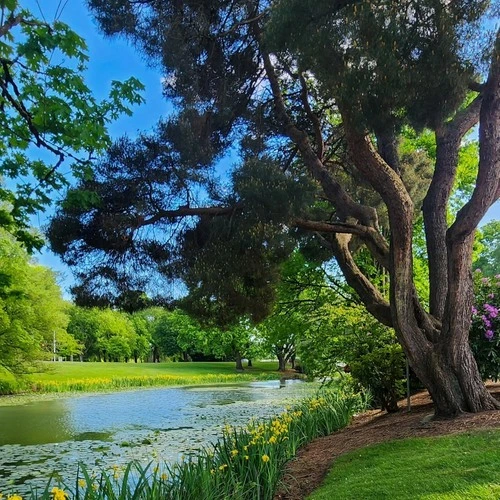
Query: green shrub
{"x":369,"y":351}
{"x":381,"y":371}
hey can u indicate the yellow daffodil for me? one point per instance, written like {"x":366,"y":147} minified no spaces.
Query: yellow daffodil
{"x":265,"y":458}
{"x":82,"y":483}
{"x":234,"y":453}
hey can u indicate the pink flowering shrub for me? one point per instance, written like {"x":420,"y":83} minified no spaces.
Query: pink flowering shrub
{"x":484,"y":335}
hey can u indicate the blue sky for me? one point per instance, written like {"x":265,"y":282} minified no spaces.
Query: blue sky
{"x":110,"y":59}
{"x":114,"y":59}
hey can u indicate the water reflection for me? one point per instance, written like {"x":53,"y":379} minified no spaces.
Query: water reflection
{"x":36,"y":423}
{"x":102,"y":430}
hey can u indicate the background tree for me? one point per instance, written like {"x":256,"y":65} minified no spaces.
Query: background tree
{"x":177,"y":335}
{"x":489,"y":255}
{"x":318,"y":95}
{"x":32,"y":311}
{"x":141,"y":342}
{"x":83,"y":326}
{"x":45,"y":105}
{"x":115,"y":336}
{"x":303,"y":289}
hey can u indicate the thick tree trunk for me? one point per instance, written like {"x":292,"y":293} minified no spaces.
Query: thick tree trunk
{"x":451,"y":376}
{"x":439,"y":354}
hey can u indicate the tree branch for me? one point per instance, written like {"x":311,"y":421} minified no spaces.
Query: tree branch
{"x":373,"y":300}
{"x":372,"y":238}
{"x":488,"y":179}
{"x":335,"y":193}
{"x":10,"y":23}
{"x":320,"y":145}
{"x":448,"y":139}
{"x":187,"y":212}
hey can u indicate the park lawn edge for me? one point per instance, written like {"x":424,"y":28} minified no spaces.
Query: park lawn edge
{"x":449,"y":467}
{"x":33,"y":386}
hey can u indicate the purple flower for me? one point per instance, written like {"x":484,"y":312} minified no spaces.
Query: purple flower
{"x":491,"y":296}
{"x":488,"y":334}
{"x":486,"y":321}
{"x":497,"y":276}
{"x":485,"y":280}
{"x":474,"y":310}
{"x":492,"y":311}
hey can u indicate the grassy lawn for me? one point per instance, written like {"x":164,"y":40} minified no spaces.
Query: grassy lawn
{"x":62,"y":371}
{"x":460,"y":467}
{"x":75,"y":376}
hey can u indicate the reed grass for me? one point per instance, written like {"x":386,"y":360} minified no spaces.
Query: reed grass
{"x":92,"y":377}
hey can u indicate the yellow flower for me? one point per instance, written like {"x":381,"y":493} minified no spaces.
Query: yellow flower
{"x":245,"y":448}
{"x":164,"y":476}
{"x":82,"y":483}
{"x":234,"y":453}
{"x":58,"y":494}
{"x":212,"y":471}
{"x":95,"y":487}
{"x":246,"y":457}
{"x":265,"y":458}
{"x":222,"y":467}
{"x":15,"y":497}
{"x":272,"y":440}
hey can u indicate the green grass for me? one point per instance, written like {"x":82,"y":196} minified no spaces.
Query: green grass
{"x":75,"y":370}
{"x":75,"y":376}
{"x":459,"y":467}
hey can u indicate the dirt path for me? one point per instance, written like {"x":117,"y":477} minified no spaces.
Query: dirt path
{"x":307,"y":470}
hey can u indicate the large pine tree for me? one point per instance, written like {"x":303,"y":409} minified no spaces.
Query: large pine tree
{"x":317,"y":95}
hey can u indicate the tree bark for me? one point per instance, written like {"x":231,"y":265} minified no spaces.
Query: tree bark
{"x":281,"y":362}
{"x":239,"y":363}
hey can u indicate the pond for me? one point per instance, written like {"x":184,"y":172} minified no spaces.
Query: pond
{"x":104,"y":430}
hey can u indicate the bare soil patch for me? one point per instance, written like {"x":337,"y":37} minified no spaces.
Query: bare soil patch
{"x":306,"y":471}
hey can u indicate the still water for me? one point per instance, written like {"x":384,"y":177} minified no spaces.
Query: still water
{"x":101,"y":430}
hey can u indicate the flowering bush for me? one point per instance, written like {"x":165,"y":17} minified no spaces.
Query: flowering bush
{"x":484,"y":335}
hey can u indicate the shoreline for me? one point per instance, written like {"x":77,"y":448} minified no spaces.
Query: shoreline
{"x":24,"y":398}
